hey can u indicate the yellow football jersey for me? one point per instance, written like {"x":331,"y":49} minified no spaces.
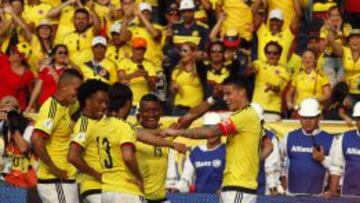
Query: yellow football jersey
{"x":111,"y":134}
{"x":117,"y":54}
{"x":78,"y":42}
{"x":138,"y":85}
{"x":54,"y":120}
{"x":191,"y":92}
{"x":83,"y":135}
{"x":309,"y":85}
{"x":65,"y":24}
{"x":239,"y":17}
{"x":352,"y":71}
{"x":284,"y":38}
{"x":105,"y":71}
{"x":153,"y":163}
{"x":243,"y":149}
{"x":274,"y":75}
{"x":218,"y":77}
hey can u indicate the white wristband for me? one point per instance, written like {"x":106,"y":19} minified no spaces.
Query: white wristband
{"x":210,"y":100}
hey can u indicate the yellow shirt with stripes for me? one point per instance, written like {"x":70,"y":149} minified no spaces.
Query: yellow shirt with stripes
{"x":242,"y":149}
{"x":218,"y":78}
{"x":190,"y":92}
{"x":153,"y":163}
{"x":284,"y":38}
{"x":78,"y":42}
{"x":54,"y":120}
{"x":239,"y":17}
{"x":309,"y":85}
{"x":273,"y":75}
{"x":352,"y":71}
{"x":138,"y":85}
{"x":83,"y":135}
{"x":107,"y":72}
{"x":111,"y":134}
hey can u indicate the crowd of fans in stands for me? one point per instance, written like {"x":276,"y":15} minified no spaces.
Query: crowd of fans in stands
{"x":288,"y":51}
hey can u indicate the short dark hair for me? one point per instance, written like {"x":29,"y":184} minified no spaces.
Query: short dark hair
{"x":216,"y":43}
{"x":70,"y":74}
{"x":273,"y":43}
{"x":240,"y":82}
{"x":119,"y":94}
{"x":90,"y":87}
{"x":149,"y":98}
{"x":82,"y":10}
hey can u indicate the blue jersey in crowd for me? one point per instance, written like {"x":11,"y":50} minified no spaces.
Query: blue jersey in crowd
{"x":262,"y":178}
{"x":209,"y":167}
{"x":305,"y":174}
{"x":351,"y":152}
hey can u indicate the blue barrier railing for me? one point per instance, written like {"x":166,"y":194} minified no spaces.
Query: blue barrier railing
{"x":10,"y":194}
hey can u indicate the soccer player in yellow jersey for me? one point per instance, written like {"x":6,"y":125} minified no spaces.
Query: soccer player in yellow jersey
{"x":51,"y":138}
{"x":152,"y":160}
{"x":93,"y":99}
{"x":122,"y":180}
{"x":243,"y":131}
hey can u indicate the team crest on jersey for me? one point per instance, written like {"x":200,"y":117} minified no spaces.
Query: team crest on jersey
{"x":216,"y":163}
{"x":48,"y":124}
{"x":195,"y":33}
{"x":102,"y":72}
{"x":81,"y":137}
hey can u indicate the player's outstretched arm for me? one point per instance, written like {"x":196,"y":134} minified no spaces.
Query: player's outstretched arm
{"x":148,"y":138}
{"x":195,"y":133}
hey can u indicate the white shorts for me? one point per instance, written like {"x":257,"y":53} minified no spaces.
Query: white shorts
{"x":237,"y":197}
{"x":116,"y":197}
{"x":93,"y":198}
{"x":58,"y":192}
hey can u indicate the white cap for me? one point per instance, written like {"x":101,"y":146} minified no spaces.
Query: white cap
{"x":187,"y":5}
{"x":277,"y":14}
{"x":309,"y":108}
{"x":115,"y":27}
{"x":259,"y":110}
{"x":98,"y":40}
{"x":211,"y":118}
{"x":145,"y":7}
{"x":356,"y":111}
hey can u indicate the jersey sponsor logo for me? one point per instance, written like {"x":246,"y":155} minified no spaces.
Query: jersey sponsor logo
{"x":215,"y":163}
{"x":301,"y":149}
{"x":81,"y":137}
{"x":48,"y":124}
{"x":353,"y":151}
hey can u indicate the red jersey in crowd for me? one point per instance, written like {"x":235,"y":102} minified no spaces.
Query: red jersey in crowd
{"x":13,"y":84}
{"x":47,"y":75}
{"x":352,"y":6}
